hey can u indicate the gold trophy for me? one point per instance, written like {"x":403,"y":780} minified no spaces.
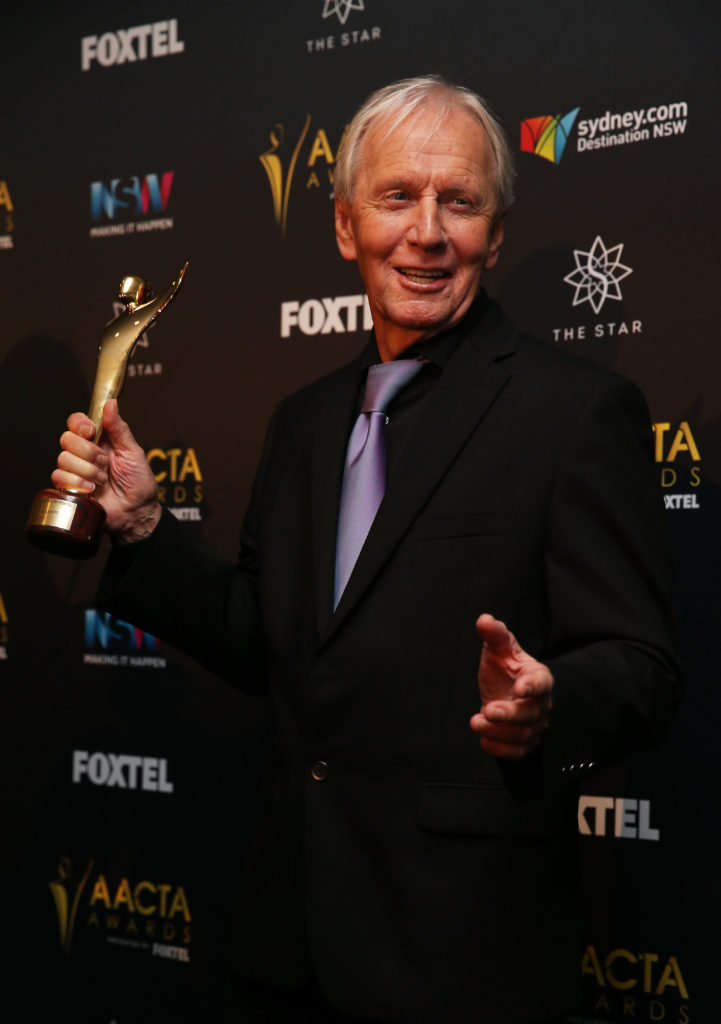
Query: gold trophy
{"x":70,"y":522}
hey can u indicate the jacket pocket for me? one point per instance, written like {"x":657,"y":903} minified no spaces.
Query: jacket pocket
{"x":483,"y":524}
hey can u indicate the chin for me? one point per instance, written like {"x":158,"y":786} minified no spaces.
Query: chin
{"x":417,"y":316}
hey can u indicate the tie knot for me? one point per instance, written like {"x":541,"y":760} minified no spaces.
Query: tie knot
{"x":384,"y":382}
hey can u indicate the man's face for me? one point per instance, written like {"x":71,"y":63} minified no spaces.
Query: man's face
{"x":421,"y":225}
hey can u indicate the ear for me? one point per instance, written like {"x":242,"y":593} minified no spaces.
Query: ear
{"x":344,"y":230}
{"x":496,"y":241}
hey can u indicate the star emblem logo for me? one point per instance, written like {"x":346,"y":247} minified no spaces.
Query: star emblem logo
{"x":342,"y":8}
{"x":597,"y":274}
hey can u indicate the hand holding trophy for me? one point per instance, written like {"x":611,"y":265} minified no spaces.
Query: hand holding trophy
{"x":69,"y":522}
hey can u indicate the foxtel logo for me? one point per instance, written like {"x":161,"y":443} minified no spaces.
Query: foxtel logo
{"x":128,"y":45}
{"x":124,"y":771}
{"x":630,"y":819}
{"x":325,"y":316}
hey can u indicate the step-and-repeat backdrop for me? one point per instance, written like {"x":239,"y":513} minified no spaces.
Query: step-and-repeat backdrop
{"x":136,"y":136}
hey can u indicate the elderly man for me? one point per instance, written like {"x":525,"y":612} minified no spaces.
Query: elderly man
{"x":418,"y":858}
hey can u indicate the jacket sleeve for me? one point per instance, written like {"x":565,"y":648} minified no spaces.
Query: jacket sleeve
{"x":186,"y":594}
{"x":612,"y":638}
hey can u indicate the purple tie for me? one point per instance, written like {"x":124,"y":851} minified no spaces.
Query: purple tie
{"x":364,"y":477}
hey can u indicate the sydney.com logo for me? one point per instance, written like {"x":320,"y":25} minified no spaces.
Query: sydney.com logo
{"x":546,"y":136}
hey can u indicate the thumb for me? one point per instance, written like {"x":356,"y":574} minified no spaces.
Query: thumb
{"x":117,"y":432}
{"x":496,"y":635}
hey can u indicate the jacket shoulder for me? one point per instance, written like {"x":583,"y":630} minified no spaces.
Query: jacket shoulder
{"x":543,"y":369}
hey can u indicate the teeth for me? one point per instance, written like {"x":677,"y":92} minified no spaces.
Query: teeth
{"x":423,"y":275}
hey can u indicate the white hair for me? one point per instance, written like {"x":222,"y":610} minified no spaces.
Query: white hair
{"x":400,"y":100}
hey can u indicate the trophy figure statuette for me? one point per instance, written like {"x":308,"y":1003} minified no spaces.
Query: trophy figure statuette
{"x":70,"y":522}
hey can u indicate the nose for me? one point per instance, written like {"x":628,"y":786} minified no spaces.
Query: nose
{"x":427,"y":228}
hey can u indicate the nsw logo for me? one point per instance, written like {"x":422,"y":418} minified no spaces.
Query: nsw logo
{"x":111,"y":641}
{"x":135,"y":196}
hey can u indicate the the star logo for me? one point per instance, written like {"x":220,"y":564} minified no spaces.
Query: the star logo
{"x":597,"y":274}
{"x":342,"y":8}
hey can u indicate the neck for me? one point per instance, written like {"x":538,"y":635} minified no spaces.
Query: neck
{"x":393,"y":342}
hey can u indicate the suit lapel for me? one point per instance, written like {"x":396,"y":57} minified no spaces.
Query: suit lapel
{"x":465,"y":391}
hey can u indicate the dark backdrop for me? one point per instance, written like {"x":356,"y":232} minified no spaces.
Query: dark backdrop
{"x":130,"y":775}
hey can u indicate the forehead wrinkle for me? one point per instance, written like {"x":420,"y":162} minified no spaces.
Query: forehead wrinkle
{"x":380,"y":134}
{"x":441,"y":181}
{"x":441,"y":113}
{"x":411,"y":165}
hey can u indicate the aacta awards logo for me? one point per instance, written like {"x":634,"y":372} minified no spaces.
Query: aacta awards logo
{"x":180,"y":481}
{"x":3,"y":630}
{"x":629,"y":985}
{"x":149,"y":916}
{"x":7,"y":219}
{"x":280,"y":162}
{"x":67,"y":892}
{"x":120,"y":200}
{"x":595,"y":280}
{"x":678,"y":456}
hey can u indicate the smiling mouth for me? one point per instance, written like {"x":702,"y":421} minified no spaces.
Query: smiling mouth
{"x":422,"y":276}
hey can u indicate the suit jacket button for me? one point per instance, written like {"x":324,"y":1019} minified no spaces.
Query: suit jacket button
{"x":319,"y":771}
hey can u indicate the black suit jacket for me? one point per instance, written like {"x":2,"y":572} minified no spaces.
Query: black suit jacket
{"x":423,"y":879}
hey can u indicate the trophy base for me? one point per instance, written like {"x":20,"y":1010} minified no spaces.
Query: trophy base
{"x":68,"y":523}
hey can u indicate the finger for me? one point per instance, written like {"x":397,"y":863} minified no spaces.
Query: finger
{"x":515,"y":711}
{"x":511,"y":734}
{"x":506,"y":741}
{"x":496,"y":635}
{"x":81,"y":425}
{"x":82,"y":448}
{"x":79,"y":463}
{"x":69,"y":482}
{"x":534,"y":682}
{"x":83,"y":468}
